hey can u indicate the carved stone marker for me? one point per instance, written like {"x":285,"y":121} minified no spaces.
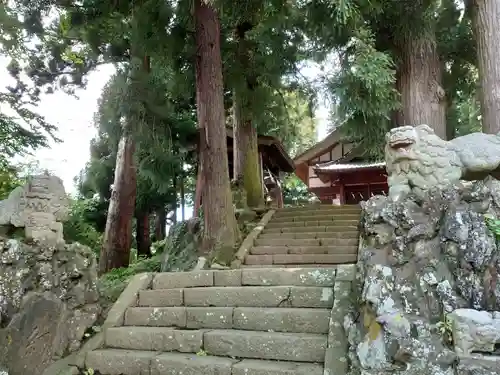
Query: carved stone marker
{"x":417,"y":159}
{"x":39,"y":206}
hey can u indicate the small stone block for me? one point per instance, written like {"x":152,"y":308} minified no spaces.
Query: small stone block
{"x":227,"y":278}
{"x":174,"y":280}
{"x":190,"y":364}
{"x":161,"y":298}
{"x":209,"y":317}
{"x":311,"y":297}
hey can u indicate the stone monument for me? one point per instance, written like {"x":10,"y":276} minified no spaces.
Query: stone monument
{"x":417,"y":159}
{"x":39,"y":207}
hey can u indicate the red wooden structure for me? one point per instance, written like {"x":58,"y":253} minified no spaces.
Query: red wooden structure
{"x":336,"y":173}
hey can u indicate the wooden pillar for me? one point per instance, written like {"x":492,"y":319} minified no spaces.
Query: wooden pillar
{"x":342,"y":191}
{"x":261,"y":167}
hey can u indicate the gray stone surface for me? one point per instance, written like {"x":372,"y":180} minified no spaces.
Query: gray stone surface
{"x":120,"y":362}
{"x":298,"y":347}
{"x":156,"y":316}
{"x":424,"y":259}
{"x":39,"y":206}
{"x":259,"y":296}
{"x":417,"y":159}
{"x":281,"y":319}
{"x":302,"y":277}
{"x":161,"y":297}
{"x":189,"y":364}
{"x":255,"y":367}
{"x":209,"y":317}
{"x":475,"y":331}
{"x":154,"y":339}
{"x":48,"y":300}
{"x":175,"y":280}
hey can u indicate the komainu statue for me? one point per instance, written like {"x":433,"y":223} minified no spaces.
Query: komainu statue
{"x":417,"y":159}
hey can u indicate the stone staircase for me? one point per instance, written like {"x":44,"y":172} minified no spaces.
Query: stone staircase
{"x":251,"y":321}
{"x":307,"y":236}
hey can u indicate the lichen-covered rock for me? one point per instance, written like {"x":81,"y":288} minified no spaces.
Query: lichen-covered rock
{"x":180,"y":248}
{"x":48,"y":300}
{"x":424,"y":259}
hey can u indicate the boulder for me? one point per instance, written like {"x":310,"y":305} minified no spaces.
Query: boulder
{"x":48,"y":289}
{"x":427,"y":286}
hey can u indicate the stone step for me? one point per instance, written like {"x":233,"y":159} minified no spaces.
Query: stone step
{"x":316,"y":217}
{"x":301,"y":259}
{"x":306,"y":242}
{"x":272,"y":250}
{"x":320,"y":207}
{"x":135,"y":362}
{"x":312,"y":223}
{"x":310,"y":235}
{"x":301,"y":320}
{"x":281,"y":266}
{"x":298,"y":347}
{"x":319,"y":228}
{"x":248,"y":296}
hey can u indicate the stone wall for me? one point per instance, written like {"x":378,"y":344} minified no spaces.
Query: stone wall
{"x":427,"y":275}
{"x":48,"y":289}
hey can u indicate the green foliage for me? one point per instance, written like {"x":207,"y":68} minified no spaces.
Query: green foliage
{"x":78,"y":229}
{"x":295,"y":191}
{"x":9,"y":178}
{"x":365,"y":88}
{"x":493,"y":225}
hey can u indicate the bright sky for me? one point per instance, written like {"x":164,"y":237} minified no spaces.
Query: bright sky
{"x":74,"y":119}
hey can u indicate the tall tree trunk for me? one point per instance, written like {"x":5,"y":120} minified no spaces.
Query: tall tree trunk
{"x":174,"y":216}
{"x":160,"y":224}
{"x":198,"y":189}
{"x":220,"y":229}
{"x":419,"y":80}
{"x":142,"y":234}
{"x":115,"y":251}
{"x":486,"y":23}
{"x":183,"y":201}
{"x":246,"y":155}
{"x":245,"y":142}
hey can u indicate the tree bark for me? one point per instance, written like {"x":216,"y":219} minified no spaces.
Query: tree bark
{"x":115,"y":251}
{"x":486,"y":24}
{"x":160,"y":224}
{"x":220,"y":229}
{"x":246,"y":154}
{"x":183,"y":200}
{"x":419,"y":80}
{"x":142,"y":234}
{"x":245,"y":142}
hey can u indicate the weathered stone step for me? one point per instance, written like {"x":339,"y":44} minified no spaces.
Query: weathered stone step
{"x":248,"y":296}
{"x":314,"y":223}
{"x":281,"y":266}
{"x":298,"y":347}
{"x":317,"y":217}
{"x":135,"y":362}
{"x":301,"y":320}
{"x":310,"y":235}
{"x":161,"y":339}
{"x":306,"y":242}
{"x":301,"y":259}
{"x":272,"y":250}
{"x":319,"y":207}
{"x":319,"y":228}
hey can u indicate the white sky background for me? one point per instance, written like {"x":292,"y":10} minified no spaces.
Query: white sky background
{"x":73,"y":117}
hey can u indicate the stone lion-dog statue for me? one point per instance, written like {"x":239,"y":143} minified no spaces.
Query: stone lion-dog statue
{"x":417,"y":159}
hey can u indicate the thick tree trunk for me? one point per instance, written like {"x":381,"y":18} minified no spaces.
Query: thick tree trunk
{"x":246,"y":155}
{"x":160,"y":224}
{"x":220,"y":229}
{"x":486,"y":23}
{"x":419,"y":80}
{"x":142,"y":234}
{"x":245,"y":142}
{"x":183,"y":201}
{"x":115,"y":250}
